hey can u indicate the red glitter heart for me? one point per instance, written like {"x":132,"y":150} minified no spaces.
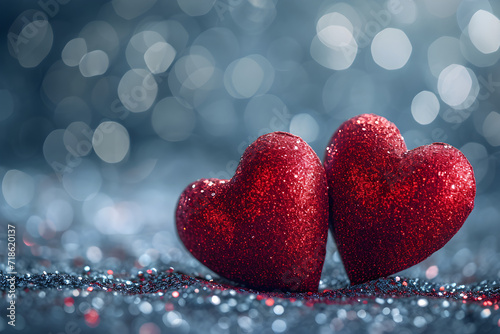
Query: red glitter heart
{"x":267,"y":226}
{"x":391,"y":208}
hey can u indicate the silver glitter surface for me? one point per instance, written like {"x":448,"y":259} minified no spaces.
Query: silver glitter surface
{"x":109,"y":109}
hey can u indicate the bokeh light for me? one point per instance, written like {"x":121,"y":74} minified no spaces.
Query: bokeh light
{"x":249,"y":76}
{"x":30,"y":38}
{"x":442,"y":9}
{"x":73,"y":51}
{"x":111,"y":142}
{"x":137,"y":90}
{"x":334,"y":47}
{"x":457,"y":86}
{"x":443,"y":52}
{"x":171,"y":120}
{"x":305,"y":126}
{"x":94,"y":63}
{"x":491,"y":128}
{"x":484,"y":31}
{"x":18,"y":188}
{"x":159,"y":57}
{"x":425,"y":107}
{"x":196,"y":7}
{"x":130,"y":9}
{"x":138,"y":45}
{"x":109,"y":109}
{"x":404,"y":11}
{"x":391,"y":49}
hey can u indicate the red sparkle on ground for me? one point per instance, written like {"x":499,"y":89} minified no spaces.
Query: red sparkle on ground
{"x":175,"y":294}
{"x":269,"y":302}
{"x":405,"y":284}
{"x":92,"y":318}
{"x":68,"y":301}
{"x":441,"y":288}
{"x":169,"y":307}
{"x":89,"y":289}
{"x":110,"y":272}
{"x":309,"y":303}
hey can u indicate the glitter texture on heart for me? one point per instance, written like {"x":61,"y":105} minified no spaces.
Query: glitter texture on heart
{"x":391,"y":208}
{"x":266,"y":227}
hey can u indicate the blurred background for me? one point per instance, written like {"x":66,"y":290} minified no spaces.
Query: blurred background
{"x":109,"y":109}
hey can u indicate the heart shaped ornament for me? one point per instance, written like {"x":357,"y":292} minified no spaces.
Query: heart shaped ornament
{"x":391,"y":208}
{"x":266,"y":227}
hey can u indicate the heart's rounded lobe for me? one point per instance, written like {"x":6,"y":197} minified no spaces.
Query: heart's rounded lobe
{"x":266,"y":227}
{"x":391,"y":208}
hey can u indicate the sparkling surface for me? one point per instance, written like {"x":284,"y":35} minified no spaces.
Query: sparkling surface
{"x":267,"y":226}
{"x":71,"y":207}
{"x":391,"y":208}
{"x":174,"y":301}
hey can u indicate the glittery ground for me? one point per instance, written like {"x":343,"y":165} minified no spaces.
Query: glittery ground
{"x":91,"y":171}
{"x":156,"y":301}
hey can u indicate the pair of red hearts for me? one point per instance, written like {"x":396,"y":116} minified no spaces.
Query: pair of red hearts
{"x":389,"y":208}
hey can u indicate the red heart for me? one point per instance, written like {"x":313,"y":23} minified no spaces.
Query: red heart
{"x":266,"y":227}
{"x":391,"y":208}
